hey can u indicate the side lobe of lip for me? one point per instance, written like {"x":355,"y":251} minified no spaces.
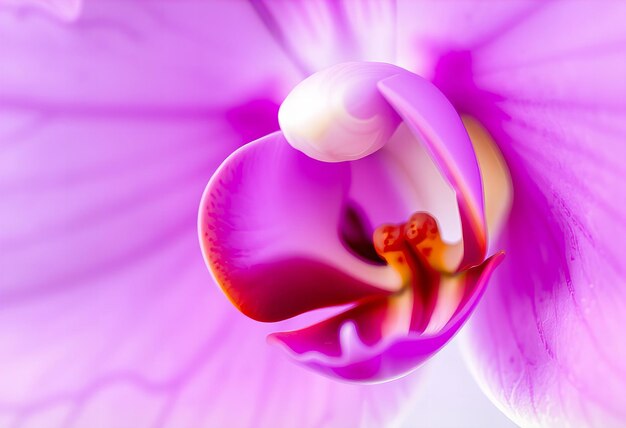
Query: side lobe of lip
{"x":268,"y":228}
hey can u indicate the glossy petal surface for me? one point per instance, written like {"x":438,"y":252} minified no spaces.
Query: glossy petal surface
{"x":430,"y":116}
{"x":354,"y":345}
{"x":269,"y":223}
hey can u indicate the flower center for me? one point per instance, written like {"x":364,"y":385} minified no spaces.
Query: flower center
{"x":416,"y":251}
{"x":286,"y":223}
{"x":417,"y":239}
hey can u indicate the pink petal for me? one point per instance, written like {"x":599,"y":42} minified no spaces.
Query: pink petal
{"x":141,"y":58}
{"x":111,"y":127}
{"x":547,"y":82}
{"x":317,"y":34}
{"x":268,"y":227}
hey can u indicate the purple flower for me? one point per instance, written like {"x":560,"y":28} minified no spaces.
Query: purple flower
{"x":115,"y":115}
{"x":285,"y":233}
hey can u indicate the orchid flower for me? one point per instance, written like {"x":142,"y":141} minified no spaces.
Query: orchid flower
{"x":380,"y":174}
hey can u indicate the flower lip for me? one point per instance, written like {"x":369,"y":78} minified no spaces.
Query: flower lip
{"x":347,"y":353}
{"x":276,"y":254}
{"x":284,"y":234}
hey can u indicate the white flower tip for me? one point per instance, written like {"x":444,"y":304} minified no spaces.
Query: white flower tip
{"x":337,"y":114}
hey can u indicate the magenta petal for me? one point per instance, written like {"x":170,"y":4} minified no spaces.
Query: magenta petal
{"x":324,"y":337}
{"x":551,"y":324}
{"x":352,"y":345}
{"x":269,"y":227}
{"x":318,"y":34}
{"x":190,"y":60}
{"x":547,"y":343}
{"x":432,"y":117}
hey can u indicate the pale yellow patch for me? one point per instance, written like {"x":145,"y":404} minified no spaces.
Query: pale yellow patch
{"x":497,"y":184}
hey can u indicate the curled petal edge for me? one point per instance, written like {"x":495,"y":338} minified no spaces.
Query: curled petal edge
{"x":392,"y":357}
{"x":430,"y":116}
